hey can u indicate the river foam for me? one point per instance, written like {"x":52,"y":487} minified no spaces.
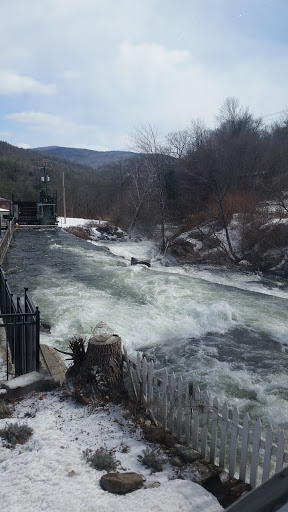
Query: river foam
{"x":222,"y":329}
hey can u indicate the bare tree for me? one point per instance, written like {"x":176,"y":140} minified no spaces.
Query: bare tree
{"x":146,"y":140}
{"x":179,"y":143}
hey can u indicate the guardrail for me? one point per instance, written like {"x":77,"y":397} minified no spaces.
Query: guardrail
{"x":6,"y":239}
{"x":22,"y":325}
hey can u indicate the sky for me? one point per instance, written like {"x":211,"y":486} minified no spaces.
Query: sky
{"x":85,"y":73}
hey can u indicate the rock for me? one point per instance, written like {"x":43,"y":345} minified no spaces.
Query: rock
{"x":245,"y":263}
{"x":52,"y":363}
{"x":176,"y":461}
{"x":152,"y":485}
{"x":187,"y":454}
{"x":44,"y":327}
{"x":215,"y":487}
{"x":239,"y":489}
{"x":136,"y":261}
{"x":198,"y":472}
{"x":33,"y":381}
{"x":225,"y":479}
{"x":121,"y":483}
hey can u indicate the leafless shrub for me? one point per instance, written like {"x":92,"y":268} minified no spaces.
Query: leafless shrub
{"x":102,"y":459}
{"x":15,"y":433}
{"x":151,"y":460}
{"x":5,"y":410}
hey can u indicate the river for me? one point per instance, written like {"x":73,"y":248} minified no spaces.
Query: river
{"x":224,"y":330}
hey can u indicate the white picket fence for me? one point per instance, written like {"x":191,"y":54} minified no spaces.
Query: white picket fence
{"x":209,"y":428}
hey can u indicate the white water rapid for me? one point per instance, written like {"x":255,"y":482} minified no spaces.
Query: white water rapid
{"x":224,"y":330}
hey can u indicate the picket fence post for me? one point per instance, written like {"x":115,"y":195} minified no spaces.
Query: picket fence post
{"x":195,"y":415}
{"x":214,"y":430}
{"x":164,"y":398}
{"x":172,"y":402}
{"x":204,"y":422}
{"x":179,"y":408}
{"x":190,"y":417}
{"x":244,"y":447}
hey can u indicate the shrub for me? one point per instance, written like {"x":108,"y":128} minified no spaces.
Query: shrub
{"x":102,"y":459}
{"x":77,"y":346}
{"x":5,"y":410}
{"x":150,"y":460}
{"x":14,"y":433}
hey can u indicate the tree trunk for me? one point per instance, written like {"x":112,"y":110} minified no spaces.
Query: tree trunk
{"x":104,"y":359}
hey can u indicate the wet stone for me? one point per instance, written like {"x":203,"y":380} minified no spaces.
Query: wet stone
{"x":187,"y":454}
{"x":176,"y":461}
{"x":198,"y":472}
{"x":151,"y":485}
{"x":121,"y":483}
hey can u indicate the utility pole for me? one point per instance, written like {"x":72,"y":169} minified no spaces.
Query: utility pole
{"x":64,"y":200}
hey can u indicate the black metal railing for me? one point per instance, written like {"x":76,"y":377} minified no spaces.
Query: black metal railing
{"x":5,"y":239}
{"x":22,"y":325}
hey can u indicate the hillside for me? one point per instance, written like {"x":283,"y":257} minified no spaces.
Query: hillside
{"x":89,"y":157}
{"x":20,"y":175}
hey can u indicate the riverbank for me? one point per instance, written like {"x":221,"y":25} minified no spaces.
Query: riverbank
{"x":53,"y":474}
{"x":204,"y":246}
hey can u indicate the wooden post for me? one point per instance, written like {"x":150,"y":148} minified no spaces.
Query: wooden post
{"x":64,"y":200}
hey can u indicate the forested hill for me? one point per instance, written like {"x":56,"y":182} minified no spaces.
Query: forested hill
{"x":227,"y":188}
{"x":89,"y":157}
{"x":20,"y":175}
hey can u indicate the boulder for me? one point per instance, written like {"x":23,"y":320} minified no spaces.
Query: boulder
{"x":33,"y":381}
{"x":136,"y":261}
{"x":176,"y":461}
{"x":240,"y":489}
{"x":44,"y":327}
{"x":198,"y":472}
{"x":121,"y":483}
{"x":188,"y":455}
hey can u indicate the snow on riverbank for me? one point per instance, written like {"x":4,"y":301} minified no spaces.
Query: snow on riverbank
{"x":71,"y":221}
{"x":49,"y":472}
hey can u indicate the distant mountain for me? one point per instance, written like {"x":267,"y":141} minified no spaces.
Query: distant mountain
{"x":89,"y":157}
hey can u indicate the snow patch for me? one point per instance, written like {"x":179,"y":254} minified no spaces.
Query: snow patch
{"x":50,"y":473}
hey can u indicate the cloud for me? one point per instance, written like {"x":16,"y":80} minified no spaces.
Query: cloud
{"x":23,"y":145}
{"x":70,"y":74}
{"x":151,"y":58}
{"x":13,"y":83}
{"x":93,"y":148}
{"x":38,"y":120}
{"x":87,"y":72}
{"x":59,"y":128}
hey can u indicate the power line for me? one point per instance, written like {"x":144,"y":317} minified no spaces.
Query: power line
{"x":276,"y":113}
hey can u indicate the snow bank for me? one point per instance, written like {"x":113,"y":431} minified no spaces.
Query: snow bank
{"x":50,"y":473}
{"x":71,"y":221}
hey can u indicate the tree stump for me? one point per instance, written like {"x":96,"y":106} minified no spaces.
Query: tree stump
{"x":101,"y":368}
{"x":105,"y":360}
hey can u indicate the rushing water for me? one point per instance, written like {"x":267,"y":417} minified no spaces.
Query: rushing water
{"x":225,"y":330}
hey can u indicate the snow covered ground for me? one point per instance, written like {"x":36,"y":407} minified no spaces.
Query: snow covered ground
{"x":50,"y":473}
{"x":71,"y":221}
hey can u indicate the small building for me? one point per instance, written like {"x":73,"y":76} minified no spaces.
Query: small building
{"x":4,"y":212}
{"x":43,"y":212}
{"x":5,"y":203}
{"x":40,"y":213}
